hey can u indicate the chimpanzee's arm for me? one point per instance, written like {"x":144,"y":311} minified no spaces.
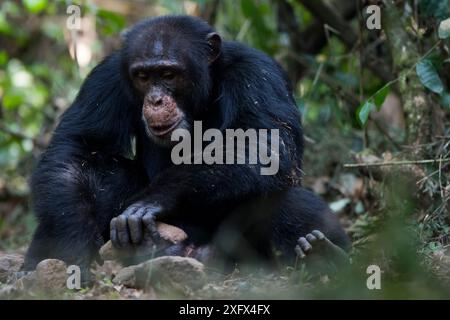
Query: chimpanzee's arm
{"x":82,"y":180}
{"x":215,"y":189}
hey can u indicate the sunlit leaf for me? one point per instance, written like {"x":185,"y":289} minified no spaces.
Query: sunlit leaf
{"x":12,"y":101}
{"x":363,"y":112}
{"x":35,"y":6}
{"x":429,"y":77}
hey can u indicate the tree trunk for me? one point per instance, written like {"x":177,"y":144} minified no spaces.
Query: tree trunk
{"x":417,"y":105}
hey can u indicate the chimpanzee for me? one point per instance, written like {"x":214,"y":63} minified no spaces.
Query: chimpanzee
{"x":108,"y":171}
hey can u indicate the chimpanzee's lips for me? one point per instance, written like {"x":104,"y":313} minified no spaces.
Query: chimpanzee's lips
{"x":164,"y":129}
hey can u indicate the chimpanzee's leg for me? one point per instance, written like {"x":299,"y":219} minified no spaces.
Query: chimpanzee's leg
{"x":74,"y":204}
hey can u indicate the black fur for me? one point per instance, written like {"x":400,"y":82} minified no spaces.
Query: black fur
{"x":88,"y":174}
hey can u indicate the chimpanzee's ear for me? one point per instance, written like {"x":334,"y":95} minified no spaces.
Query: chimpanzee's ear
{"x":215,"y":45}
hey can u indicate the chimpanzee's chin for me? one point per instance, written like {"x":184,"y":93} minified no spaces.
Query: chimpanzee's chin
{"x":163,"y":141}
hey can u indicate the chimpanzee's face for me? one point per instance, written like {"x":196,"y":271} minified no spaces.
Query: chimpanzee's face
{"x":169,"y":74}
{"x":160,"y":76}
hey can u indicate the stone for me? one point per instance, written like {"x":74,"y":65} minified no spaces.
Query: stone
{"x":126,"y":277}
{"x":51,"y":274}
{"x":9,"y":264}
{"x":171,"y":235}
{"x":167,"y":273}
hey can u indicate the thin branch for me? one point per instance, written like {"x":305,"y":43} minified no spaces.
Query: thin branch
{"x":394,"y":163}
{"x":329,"y":16}
{"x":310,"y":40}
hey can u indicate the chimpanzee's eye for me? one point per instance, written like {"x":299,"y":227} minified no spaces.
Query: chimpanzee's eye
{"x":168,"y":75}
{"x":141,"y":75}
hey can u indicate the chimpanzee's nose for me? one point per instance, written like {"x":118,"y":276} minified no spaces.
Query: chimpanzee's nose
{"x":156,"y":100}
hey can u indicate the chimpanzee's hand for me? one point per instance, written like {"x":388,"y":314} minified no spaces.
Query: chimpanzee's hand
{"x":136,"y":225}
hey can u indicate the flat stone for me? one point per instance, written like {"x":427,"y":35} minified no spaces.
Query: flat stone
{"x":167,"y":273}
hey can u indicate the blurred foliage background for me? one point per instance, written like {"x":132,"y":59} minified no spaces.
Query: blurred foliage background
{"x":378,"y":99}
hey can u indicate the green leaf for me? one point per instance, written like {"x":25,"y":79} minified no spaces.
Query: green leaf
{"x":5,"y":27}
{"x":110,"y":22}
{"x":429,"y":77}
{"x":434,"y":8}
{"x":444,"y":29}
{"x":35,"y":6}
{"x":248,"y":7}
{"x":11,"y":8}
{"x":380,"y":96}
{"x":445,"y":101}
{"x":363,"y":112}
{"x":3,"y":57}
{"x":12,"y":100}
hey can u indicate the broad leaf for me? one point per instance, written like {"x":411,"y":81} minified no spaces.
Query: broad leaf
{"x":380,"y":96}
{"x":363,"y":112}
{"x":445,"y":101}
{"x":429,"y":77}
{"x":434,"y":8}
{"x":444,"y":29}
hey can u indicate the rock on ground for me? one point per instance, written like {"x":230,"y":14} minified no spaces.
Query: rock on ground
{"x":51,"y":274}
{"x":166,"y":273}
{"x":9,"y":263}
{"x":170,"y":235}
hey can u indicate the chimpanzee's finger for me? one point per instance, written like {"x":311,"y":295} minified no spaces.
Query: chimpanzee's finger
{"x":304,"y":244}
{"x":319,"y":235}
{"x":311,"y":238}
{"x":299,"y":252}
{"x":149,"y":222}
{"x":135,"y":226}
{"x":131,"y":210}
{"x":113,"y":233}
{"x":122,"y":231}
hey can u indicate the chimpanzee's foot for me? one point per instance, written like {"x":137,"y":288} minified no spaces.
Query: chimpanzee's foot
{"x":317,"y":250}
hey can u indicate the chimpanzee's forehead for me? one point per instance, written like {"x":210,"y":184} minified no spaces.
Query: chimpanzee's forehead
{"x":156,"y":43}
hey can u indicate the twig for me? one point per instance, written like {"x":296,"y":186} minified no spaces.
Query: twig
{"x":329,"y":16}
{"x":394,"y":163}
{"x":440,"y":178}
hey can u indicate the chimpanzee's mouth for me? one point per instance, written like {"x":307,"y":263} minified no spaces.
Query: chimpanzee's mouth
{"x":164,"y":129}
